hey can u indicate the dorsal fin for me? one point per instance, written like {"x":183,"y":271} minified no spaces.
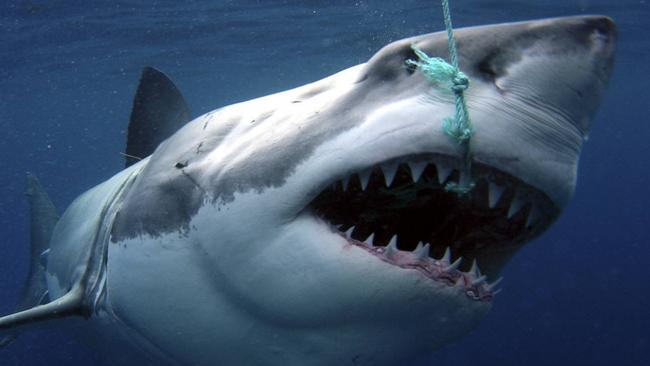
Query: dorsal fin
{"x":44,"y":217}
{"x":158,"y":111}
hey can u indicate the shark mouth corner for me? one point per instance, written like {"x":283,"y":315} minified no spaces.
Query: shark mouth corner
{"x":400,"y":211}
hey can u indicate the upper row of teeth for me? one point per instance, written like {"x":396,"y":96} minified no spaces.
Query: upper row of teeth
{"x":389,"y":171}
{"x":444,"y":170}
{"x":421,"y":253}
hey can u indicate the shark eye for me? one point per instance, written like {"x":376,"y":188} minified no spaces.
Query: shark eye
{"x":486,"y":69}
{"x":409,"y":59}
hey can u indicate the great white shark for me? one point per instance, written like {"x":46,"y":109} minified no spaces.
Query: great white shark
{"x":312,"y":226}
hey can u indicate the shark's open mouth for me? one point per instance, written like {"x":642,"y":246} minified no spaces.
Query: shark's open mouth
{"x":396,"y":208}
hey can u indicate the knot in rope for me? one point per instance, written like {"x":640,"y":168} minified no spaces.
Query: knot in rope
{"x":439,"y":72}
{"x":460,"y":81}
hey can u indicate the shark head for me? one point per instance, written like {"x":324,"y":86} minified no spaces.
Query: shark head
{"x":313,"y":226}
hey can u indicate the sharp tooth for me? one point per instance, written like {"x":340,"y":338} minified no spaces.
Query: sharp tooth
{"x":391,"y":248}
{"x":494,"y":284}
{"x":422,"y":252}
{"x":345,"y":182}
{"x":533,"y":216}
{"x":417,"y":169}
{"x":447,"y":256}
{"x":444,"y":171}
{"x":494,"y":194}
{"x":389,"y":170}
{"x":475,"y":271}
{"x":364,"y":177}
{"x":479,"y":280}
{"x":496,"y":292}
{"x":454,"y":266}
{"x":349,"y":232}
{"x":393,"y":242}
{"x":516,"y":205}
{"x":370,"y":241}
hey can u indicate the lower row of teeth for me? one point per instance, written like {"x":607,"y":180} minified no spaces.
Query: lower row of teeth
{"x":472,"y":282}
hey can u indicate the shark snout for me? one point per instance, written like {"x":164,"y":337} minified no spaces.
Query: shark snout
{"x":597,"y":31}
{"x":591,"y":37}
{"x":537,"y":86}
{"x":557,"y":65}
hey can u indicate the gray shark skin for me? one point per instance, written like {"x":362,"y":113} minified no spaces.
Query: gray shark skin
{"x":312,"y":226}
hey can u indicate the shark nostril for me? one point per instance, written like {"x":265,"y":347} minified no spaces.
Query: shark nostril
{"x":597,"y":31}
{"x":603,"y":25}
{"x":602,"y":42}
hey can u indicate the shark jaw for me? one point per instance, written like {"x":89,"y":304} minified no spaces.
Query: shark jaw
{"x":401,"y":212}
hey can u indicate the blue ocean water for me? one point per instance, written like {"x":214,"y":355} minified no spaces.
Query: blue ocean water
{"x":68,"y":70}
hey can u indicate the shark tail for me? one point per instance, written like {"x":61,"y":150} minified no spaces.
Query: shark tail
{"x":44,"y":217}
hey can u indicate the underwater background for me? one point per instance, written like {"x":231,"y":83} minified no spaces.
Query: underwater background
{"x":579,"y":295}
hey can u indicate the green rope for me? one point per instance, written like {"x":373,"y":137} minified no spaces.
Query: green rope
{"x":439,"y":72}
{"x":443,"y":74}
